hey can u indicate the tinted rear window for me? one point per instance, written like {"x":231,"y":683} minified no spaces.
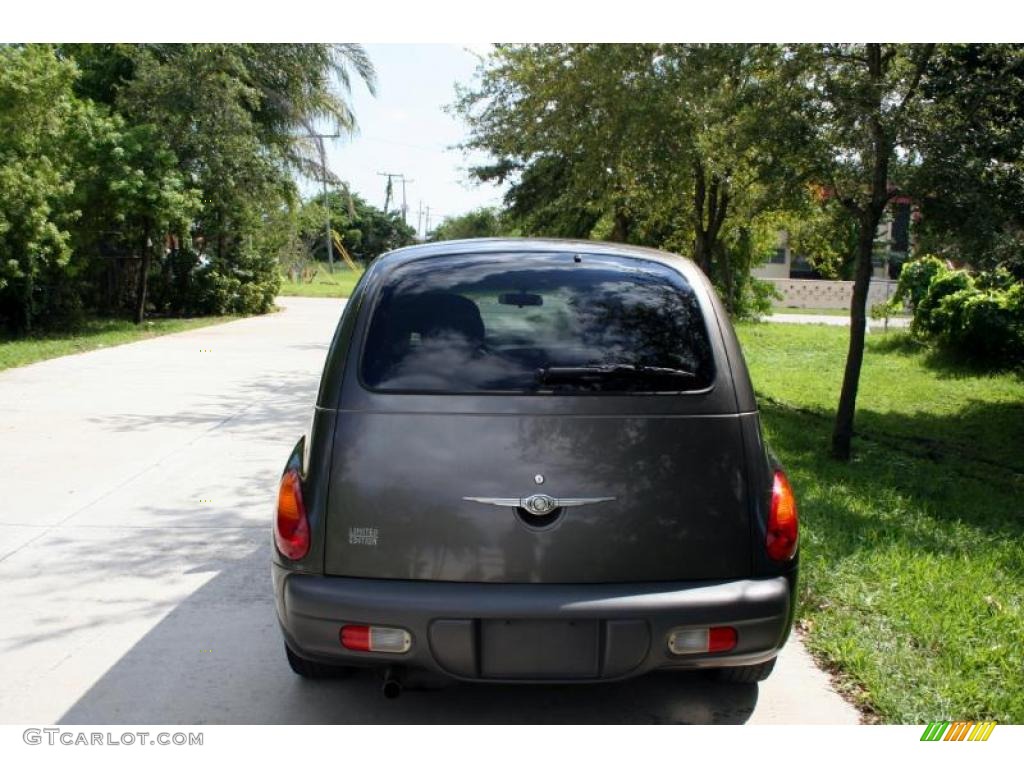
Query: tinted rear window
{"x":537,"y":324}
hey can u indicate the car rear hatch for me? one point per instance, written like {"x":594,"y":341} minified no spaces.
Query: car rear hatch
{"x":499,"y":446}
{"x":401,"y":487}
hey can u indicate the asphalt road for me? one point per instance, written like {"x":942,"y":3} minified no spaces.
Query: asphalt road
{"x":137,"y":485}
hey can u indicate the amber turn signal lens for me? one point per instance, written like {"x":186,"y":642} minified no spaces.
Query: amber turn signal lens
{"x":783,"y":523}
{"x":291,"y":529}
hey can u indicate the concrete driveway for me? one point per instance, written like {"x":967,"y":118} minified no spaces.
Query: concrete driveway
{"x":137,"y":486}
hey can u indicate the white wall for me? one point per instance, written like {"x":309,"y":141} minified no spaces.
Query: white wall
{"x":769,"y":271}
{"x":827,"y":294}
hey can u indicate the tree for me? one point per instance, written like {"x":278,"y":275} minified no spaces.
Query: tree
{"x":859,"y":103}
{"x":482,"y":222}
{"x":128,"y":168}
{"x":737,"y":136}
{"x":303,"y":87}
{"x":237,"y":120}
{"x":820,"y":229}
{"x":649,"y":144}
{"x":365,"y":230}
{"x":550,"y":113}
{"x":36,"y":111}
{"x":970,"y":185}
{"x":127,"y":192}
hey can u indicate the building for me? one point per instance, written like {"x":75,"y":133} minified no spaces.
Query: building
{"x":892,"y":248}
{"x":801,"y":286}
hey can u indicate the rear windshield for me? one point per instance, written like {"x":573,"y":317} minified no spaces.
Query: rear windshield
{"x":537,"y":324}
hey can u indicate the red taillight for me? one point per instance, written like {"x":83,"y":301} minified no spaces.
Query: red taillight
{"x":721,"y":639}
{"x":701,"y":640}
{"x":360,"y":637}
{"x":780,"y":541}
{"x":291,"y":529}
{"x":355,"y":637}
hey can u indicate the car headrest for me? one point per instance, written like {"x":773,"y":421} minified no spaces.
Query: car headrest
{"x":432,"y":314}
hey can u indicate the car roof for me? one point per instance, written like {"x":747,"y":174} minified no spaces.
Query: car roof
{"x":485,"y":245}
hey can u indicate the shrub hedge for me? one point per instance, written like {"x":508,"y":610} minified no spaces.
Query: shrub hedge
{"x":977,"y":317}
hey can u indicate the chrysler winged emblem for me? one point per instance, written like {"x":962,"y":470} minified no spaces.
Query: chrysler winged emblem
{"x":538,"y":504}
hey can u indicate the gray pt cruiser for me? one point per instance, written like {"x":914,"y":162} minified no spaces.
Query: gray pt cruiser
{"x":534,"y":461}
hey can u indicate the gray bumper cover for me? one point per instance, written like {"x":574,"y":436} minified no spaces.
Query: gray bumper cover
{"x":447,"y":620}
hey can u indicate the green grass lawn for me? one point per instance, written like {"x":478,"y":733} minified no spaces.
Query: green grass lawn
{"x":912,"y":572}
{"x":325,"y":284}
{"x":94,"y":334}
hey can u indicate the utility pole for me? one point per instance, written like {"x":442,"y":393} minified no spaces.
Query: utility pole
{"x":388,"y":188}
{"x":388,"y":191}
{"x":405,"y":208}
{"x":419,"y":221}
{"x":426,"y":232}
{"x":319,"y":137}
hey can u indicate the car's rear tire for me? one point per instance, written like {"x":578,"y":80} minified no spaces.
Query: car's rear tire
{"x":753,"y":673}
{"x":314,"y":670}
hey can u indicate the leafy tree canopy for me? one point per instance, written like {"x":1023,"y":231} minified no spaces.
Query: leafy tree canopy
{"x":363,"y":229}
{"x":666,"y":145}
{"x":483,"y":222}
{"x":126,"y":165}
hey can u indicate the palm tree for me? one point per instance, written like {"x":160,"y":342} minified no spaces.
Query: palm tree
{"x":306,"y":91}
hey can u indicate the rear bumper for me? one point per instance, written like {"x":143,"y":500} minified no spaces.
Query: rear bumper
{"x":448,"y":621}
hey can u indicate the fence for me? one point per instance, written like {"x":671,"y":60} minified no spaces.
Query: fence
{"x":827,"y":294}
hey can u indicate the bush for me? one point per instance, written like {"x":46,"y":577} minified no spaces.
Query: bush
{"x":980,"y":325}
{"x":915,"y":278}
{"x":756,"y":297}
{"x":977,"y":318}
{"x":999,"y":278}
{"x":944,"y":283}
{"x":188,"y":284}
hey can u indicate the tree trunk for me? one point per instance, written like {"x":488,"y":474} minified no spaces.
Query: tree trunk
{"x":140,"y":293}
{"x":842,"y":433}
{"x":870,"y":215}
{"x":729,"y":283}
{"x":702,"y":252}
{"x":710,"y":208}
{"x":620,"y":227}
{"x":27,"y":308}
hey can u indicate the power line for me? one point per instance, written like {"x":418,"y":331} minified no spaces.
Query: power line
{"x":438,"y":147}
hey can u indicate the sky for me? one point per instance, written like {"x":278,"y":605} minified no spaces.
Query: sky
{"x":404,"y":129}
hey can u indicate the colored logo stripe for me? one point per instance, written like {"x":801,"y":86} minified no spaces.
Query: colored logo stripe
{"x":960,"y":730}
{"x":982,"y":731}
{"x":957,"y":731}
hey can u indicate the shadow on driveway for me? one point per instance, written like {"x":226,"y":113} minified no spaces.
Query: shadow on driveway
{"x":218,"y":658}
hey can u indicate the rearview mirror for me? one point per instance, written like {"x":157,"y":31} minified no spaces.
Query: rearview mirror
{"x":521,"y":299}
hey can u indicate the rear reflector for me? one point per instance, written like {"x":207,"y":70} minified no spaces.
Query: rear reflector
{"x":359,"y":637}
{"x":701,"y":640}
{"x":721,"y":639}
